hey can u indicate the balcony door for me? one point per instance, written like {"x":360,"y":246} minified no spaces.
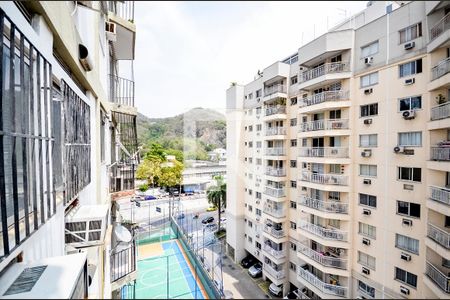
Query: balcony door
{"x":317,"y":117}
{"x":317,"y":168}
{"x":317,"y":142}
{"x":335,"y":114}
{"x":335,"y":141}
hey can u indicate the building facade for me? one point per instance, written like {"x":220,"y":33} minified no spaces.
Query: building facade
{"x":339,"y":169}
{"x":68,"y":147}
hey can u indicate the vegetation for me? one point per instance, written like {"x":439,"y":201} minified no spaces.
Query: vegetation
{"x":217,"y":195}
{"x":143,"y":187}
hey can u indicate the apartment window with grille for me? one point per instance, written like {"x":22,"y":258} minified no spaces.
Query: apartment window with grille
{"x":258,"y":93}
{"x":293,"y":204}
{"x":258,"y":195}
{"x":250,"y":96}
{"x":250,"y":160}
{"x":293,"y":225}
{"x":409,"y":174}
{"x":293,"y":184}
{"x":368,"y":200}
{"x":250,"y":128}
{"x":368,"y":170}
{"x":408,"y":209}
{"x":366,"y":260}
{"x":304,"y":142}
{"x":368,"y":140}
{"x":293,"y":266}
{"x":258,"y":110}
{"x":369,"y":110}
{"x":258,"y":127}
{"x":366,"y":289}
{"x":293,"y":163}
{"x":250,"y":240}
{"x":250,"y":223}
{"x":406,"y":277}
{"x":258,"y":161}
{"x":245,"y":128}
{"x":258,"y":144}
{"x":406,"y":243}
{"x":335,"y":168}
{"x":335,"y":196}
{"x":367,"y":230}
{"x":410,"y":68}
{"x":258,"y":245}
{"x":258,"y":212}
{"x":250,"y":192}
{"x":369,"y":50}
{"x":369,"y":79}
{"x":250,"y":208}
{"x":410,"y":139}
{"x":294,"y":101}
{"x":410,"y":33}
{"x":294,"y":79}
{"x":410,"y":103}
{"x":294,"y":143}
{"x":250,"y":144}
{"x":294,"y":122}
{"x":293,"y":246}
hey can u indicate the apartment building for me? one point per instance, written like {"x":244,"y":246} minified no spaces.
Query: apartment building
{"x":339,"y":169}
{"x":68,"y":148}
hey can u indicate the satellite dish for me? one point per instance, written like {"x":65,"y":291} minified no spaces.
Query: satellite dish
{"x":122,"y":234}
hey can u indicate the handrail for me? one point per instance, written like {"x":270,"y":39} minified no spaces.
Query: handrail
{"x":319,"y":284}
{"x":327,"y":96}
{"x":440,"y":194}
{"x":326,"y":233}
{"x":338,"y":152}
{"x":322,"y":178}
{"x":327,"y":261}
{"x":441,"y":111}
{"x":441,"y":25}
{"x":326,"y":206}
{"x":327,"y":68}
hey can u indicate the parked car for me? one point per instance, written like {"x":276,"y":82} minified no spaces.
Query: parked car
{"x":276,"y":290}
{"x":292,"y":295}
{"x":211,"y":208}
{"x":256,"y":270}
{"x":248,"y":261}
{"x":208,"y":220}
{"x":150,"y":197}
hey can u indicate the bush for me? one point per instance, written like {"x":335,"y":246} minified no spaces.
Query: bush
{"x":143,"y":187}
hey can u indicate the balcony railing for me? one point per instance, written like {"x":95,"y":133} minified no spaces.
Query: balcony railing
{"x":123,"y":9}
{"x":442,"y":68}
{"x":277,"y":233}
{"x":441,"y":26}
{"x":440,"y":153}
{"x":270,"y":90}
{"x":327,"y":96}
{"x":327,"y":261}
{"x":278,"y":172}
{"x":274,"y":192}
{"x":278,"y":274}
{"x":275,"y":151}
{"x":438,"y":235}
{"x":274,"y":212}
{"x":275,"y":253}
{"x":440,"y":112}
{"x":330,"y":124}
{"x":123,"y":262}
{"x":319,"y":284}
{"x":438,"y":277}
{"x":328,"y":68}
{"x":276,"y":131}
{"x":440,"y":194}
{"x":325,"y":206}
{"x":121,"y":177}
{"x":329,"y":179}
{"x":325,"y":233}
{"x":335,"y":152}
{"x":273,"y":110}
{"x":121,"y":90}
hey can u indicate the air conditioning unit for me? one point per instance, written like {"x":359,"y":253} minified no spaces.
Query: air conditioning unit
{"x":368,"y":91}
{"x":86,"y":225}
{"x":399,"y":149}
{"x":368,"y":60}
{"x":368,"y":121}
{"x":367,"y":181}
{"x":405,"y":256}
{"x":366,"y":241}
{"x":409,"y":114}
{"x":404,"y":290}
{"x":409,"y":45}
{"x":367,"y":212}
{"x":410,"y":81}
{"x":407,"y":222}
{"x":366,"y":153}
{"x":110,"y":29}
{"x":365,"y":271}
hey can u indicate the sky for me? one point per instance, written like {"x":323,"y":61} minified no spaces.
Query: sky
{"x":188,"y":53}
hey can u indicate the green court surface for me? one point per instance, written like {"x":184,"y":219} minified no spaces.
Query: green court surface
{"x":165,"y":234}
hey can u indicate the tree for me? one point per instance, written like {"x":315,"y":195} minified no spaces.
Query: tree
{"x":149,"y":169}
{"x":217,"y":195}
{"x":171,"y":174}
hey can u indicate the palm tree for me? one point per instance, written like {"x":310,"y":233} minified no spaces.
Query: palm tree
{"x":217,"y":195}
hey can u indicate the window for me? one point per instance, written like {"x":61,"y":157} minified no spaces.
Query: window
{"x":368,"y":200}
{"x":293,"y":246}
{"x":294,"y":143}
{"x":250,"y":128}
{"x":294,"y":79}
{"x":250,"y":96}
{"x":250,"y":239}
{"x":369,"y":50}
{"x":368,"y":170}
{"x":408,"y":209}
{"x":258,"y":144}
{"x":335,"y":114}
{"x":366,"y":260}
{"x":369,"y":79}
{"x":406,"y":277}
{"x":293,"y":204}
{"x":334,"y":196}
{"x":294,"y":101}
{"x":258,"y":245}
{"x":250,"y":192}
{"x":250,"y":144}
{"x":369,"y":110}
{"x":258,"y":127}
{"x":258,"y":195}
{"x":258,"y":161}
{"x":304,"y":142}
{"x":406,"y":243}
{"x":368,"y":140}
{"x":250,"y":208}
{"x":410,"y":174}
{"x":258,"y":94}
{"x":410,"y":68}
{"x":258,"y":212}
{"x":410,"y":103}
{"x":250,"y":223}
{"x":250,"y":160}
{"x":294,"y":122}
{"x":410,"y":139}
{"x":293,"y":266}
{"x":293,"y":225}
{"x":258,"y":110}
{"x":410,"y":33}
{"x":367,"y":230}
{"x":293,"y":184}
{"x":293,"y":164}
{"x":367,"y":289}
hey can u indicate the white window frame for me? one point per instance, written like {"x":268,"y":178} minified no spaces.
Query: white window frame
{"x":367,"y":198}
{"x":373,"y":49}
{"x":372,"y":79}
{"x":409,"y":137}
{"x":367,"y":230}
{"x":399,"y":172}
{"x":410,"y":99}
{"x":407,"y":243}
{"x":370,"y":140}
{"x":368,"y":170}
{"x":367,"y":260}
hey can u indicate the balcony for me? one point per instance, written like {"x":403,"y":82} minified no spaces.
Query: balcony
{"x":440,"y":194}
{"x":440,"y":27}
{"x":278,"y":88}
{"x":274,"y":110}
{"x":275,"y":151}
{"x":276,"y":233}
{"x":276,"y":131}
{"x":327,"y":96}
{"x":328,"y":179}
{"x":276,"y":212}
{"x":275,"y":192}
{"x":121,"y":177}
{"x":122,"y":9}
{"x":327,"y":68}
{"x":330,"y":124}
{"x":123,"y":262}
{"x":331,"y":152}
{"x":325,"y":206}
{"x":439,"y":278}
{"x":121,"y":90}
{"x":325,"y":233}
{"x":438,"y":235}
{"x":442,"y":68}
{"x":321,"y":258}
{"x":275,"y":253}
{"x":276,"y":172}
{"x":277,"y":274}
{"x":316,"y":282}
{"x":440,"y":112}
{"x":441,"y":153}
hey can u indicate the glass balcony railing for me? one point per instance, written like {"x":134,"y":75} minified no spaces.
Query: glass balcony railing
{"x":273,"y":110}
{"x":327,"y":96}
{"x":275,"y":151}
{"x":440,"y":236}
{"x":275,"y":192}
{"x":270,"y":90}
{"x":277,"y":172}
{"x":274,"y":252}
{"x":326,"y":288}
{"x":275,"y":131}
{"x":327,"y":68}
{"x":440,"y":27}
{"x":440,"y":194}
{"x":327,"y":179}
{"x":325,"y":233}
{"x":330,"y":124}
{"x":332,"y":152}
{"x":276,"y":233}
{"x":276,"y":212}
{"x":325,"y":206}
